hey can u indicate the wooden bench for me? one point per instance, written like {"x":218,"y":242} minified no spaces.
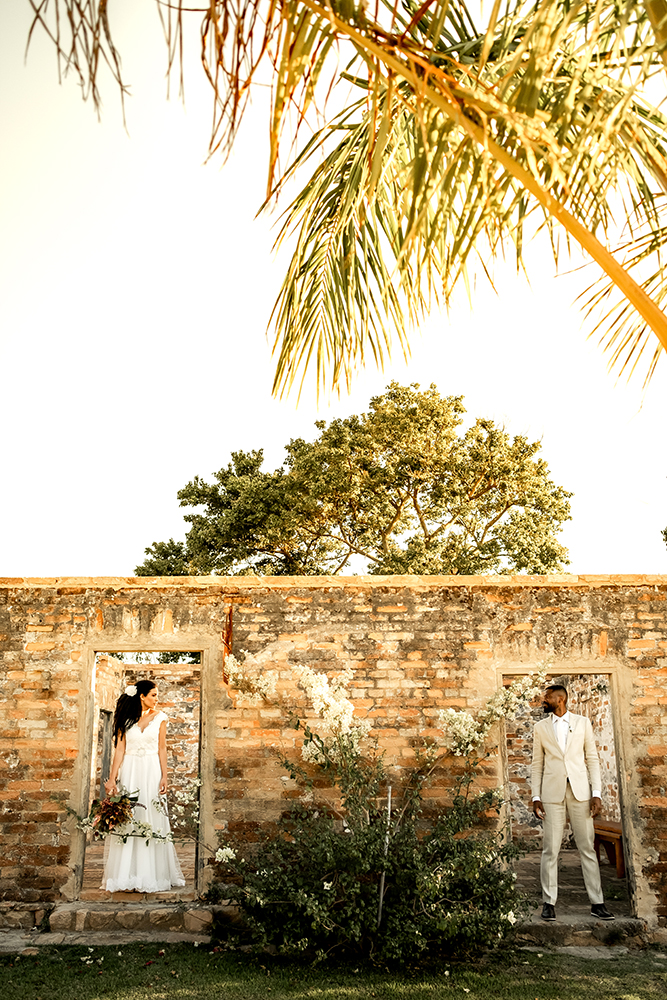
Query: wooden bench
{"x":610,"y":836}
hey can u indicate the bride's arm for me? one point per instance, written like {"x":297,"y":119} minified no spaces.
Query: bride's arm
{"x":162,"y":752}
{"x":119,"y":753}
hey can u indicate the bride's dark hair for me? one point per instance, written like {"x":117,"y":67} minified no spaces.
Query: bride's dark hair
{"x":128,"y":709}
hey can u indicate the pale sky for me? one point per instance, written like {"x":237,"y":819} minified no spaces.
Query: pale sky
{"x":135,"y":289}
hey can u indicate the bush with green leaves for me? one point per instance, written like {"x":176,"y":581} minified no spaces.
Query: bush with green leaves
{"x":373,"y":872}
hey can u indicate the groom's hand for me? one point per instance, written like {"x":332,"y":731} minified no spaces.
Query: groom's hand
{"x":596,"y":807}
{"x":538,"y":809}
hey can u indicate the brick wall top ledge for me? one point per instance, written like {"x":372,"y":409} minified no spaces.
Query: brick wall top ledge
{"x":227,"y":584}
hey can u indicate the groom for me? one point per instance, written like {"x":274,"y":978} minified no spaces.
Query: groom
{"x":566,"y":767}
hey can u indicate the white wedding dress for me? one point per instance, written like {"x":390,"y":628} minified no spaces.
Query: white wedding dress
{"x":135,"y":864}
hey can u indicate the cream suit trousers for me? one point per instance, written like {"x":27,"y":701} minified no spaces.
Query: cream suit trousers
{"x":584,"y":835}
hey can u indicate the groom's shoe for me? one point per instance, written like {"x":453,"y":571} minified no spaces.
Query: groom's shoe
{"x":600,"y":911}
{"x":549,"y":912}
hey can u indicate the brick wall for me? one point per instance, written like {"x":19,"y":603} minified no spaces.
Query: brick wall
{"x":415,"y":644}
{"x":107,"y":684}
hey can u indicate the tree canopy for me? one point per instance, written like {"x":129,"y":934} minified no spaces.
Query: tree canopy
{"x":403,"y":488}
{"x":467,"y":136}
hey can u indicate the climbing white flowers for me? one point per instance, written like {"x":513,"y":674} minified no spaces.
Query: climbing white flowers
{"x":465,"y":734}
{"x":330,"y":701}
{"x":341,"y":731}
{"x":225,"y":854}
{"x":253,"y":684}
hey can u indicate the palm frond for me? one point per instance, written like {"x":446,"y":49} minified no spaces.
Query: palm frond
{"x":463,"y":134}
{"x":446,"y":184}
{"x":81,"y":34}
{"x":628,"y":340}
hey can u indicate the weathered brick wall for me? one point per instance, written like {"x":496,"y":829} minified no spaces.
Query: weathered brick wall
{"x":410,"y":658}
{"x":49,"y":634}
{"x":590,"y":695}
{"x":416,"y":645}
{"x":107,"y":683}
{"x":109,"y":674}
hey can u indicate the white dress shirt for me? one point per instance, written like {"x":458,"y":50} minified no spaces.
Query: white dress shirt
{"x":561,"y":724}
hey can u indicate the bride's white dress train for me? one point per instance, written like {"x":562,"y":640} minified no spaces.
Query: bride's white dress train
{"x":135,"y":864}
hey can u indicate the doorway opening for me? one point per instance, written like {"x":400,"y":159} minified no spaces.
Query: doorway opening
{"x":178,"y":678}
{"x":589,"y":694}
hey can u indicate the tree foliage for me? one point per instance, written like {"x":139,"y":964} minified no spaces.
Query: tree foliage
{"x":402,"y":487}
{"x":167,"y":559}
{"x":464,"y":129}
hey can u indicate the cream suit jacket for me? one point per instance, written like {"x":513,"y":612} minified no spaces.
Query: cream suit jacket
{"x":552,"y":768}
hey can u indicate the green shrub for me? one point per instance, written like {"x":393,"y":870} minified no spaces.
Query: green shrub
{"x":320,"y":891}
{"x":315,"y":884}
{"x":371,"y":872}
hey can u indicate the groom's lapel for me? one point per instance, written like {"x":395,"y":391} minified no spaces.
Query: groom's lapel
{"x":551,"y":736}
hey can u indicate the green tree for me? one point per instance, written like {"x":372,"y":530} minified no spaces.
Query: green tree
{"x":166,"y":559}
{"x":402,"y":488}
{"x":465,"y":139}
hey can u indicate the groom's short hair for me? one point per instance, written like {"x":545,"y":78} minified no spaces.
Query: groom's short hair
{"x":559,"y":689}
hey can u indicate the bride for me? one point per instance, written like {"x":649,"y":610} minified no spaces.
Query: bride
{"x":140,"y":764}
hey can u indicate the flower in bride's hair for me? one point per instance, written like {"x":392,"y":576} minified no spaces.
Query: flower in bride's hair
{"x":131,"y":690}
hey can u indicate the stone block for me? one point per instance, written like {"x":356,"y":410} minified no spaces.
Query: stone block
{"x":16,"y":920}
{"x":131,"y":919}
{"x":62,"y":920}
{"x":167,"y":918}
{"x":100,"y":920}
{"x":197,"y":920}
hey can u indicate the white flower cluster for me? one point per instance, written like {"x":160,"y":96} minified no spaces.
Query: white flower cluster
{"x":253,"y":686}
{"x":312,"y":753}
{"x":187,"y":801}
{"x":330,"y":701}
{"x":506,"y":702}
{"x":146,"y":832}
{"x":225,"y":854}
{"x":465,"y":733}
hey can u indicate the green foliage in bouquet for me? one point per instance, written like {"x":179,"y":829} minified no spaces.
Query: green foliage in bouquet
{"x":109,"y":814}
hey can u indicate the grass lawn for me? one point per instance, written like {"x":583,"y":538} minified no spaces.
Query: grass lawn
{"x":183,"y":972}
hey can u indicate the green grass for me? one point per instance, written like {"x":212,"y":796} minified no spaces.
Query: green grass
{"x":183,"y":972}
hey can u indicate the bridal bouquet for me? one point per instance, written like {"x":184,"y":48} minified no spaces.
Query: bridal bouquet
{"x":114,"y":811}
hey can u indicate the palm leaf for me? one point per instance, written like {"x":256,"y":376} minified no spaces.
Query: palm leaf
{"x":463,"y":134}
